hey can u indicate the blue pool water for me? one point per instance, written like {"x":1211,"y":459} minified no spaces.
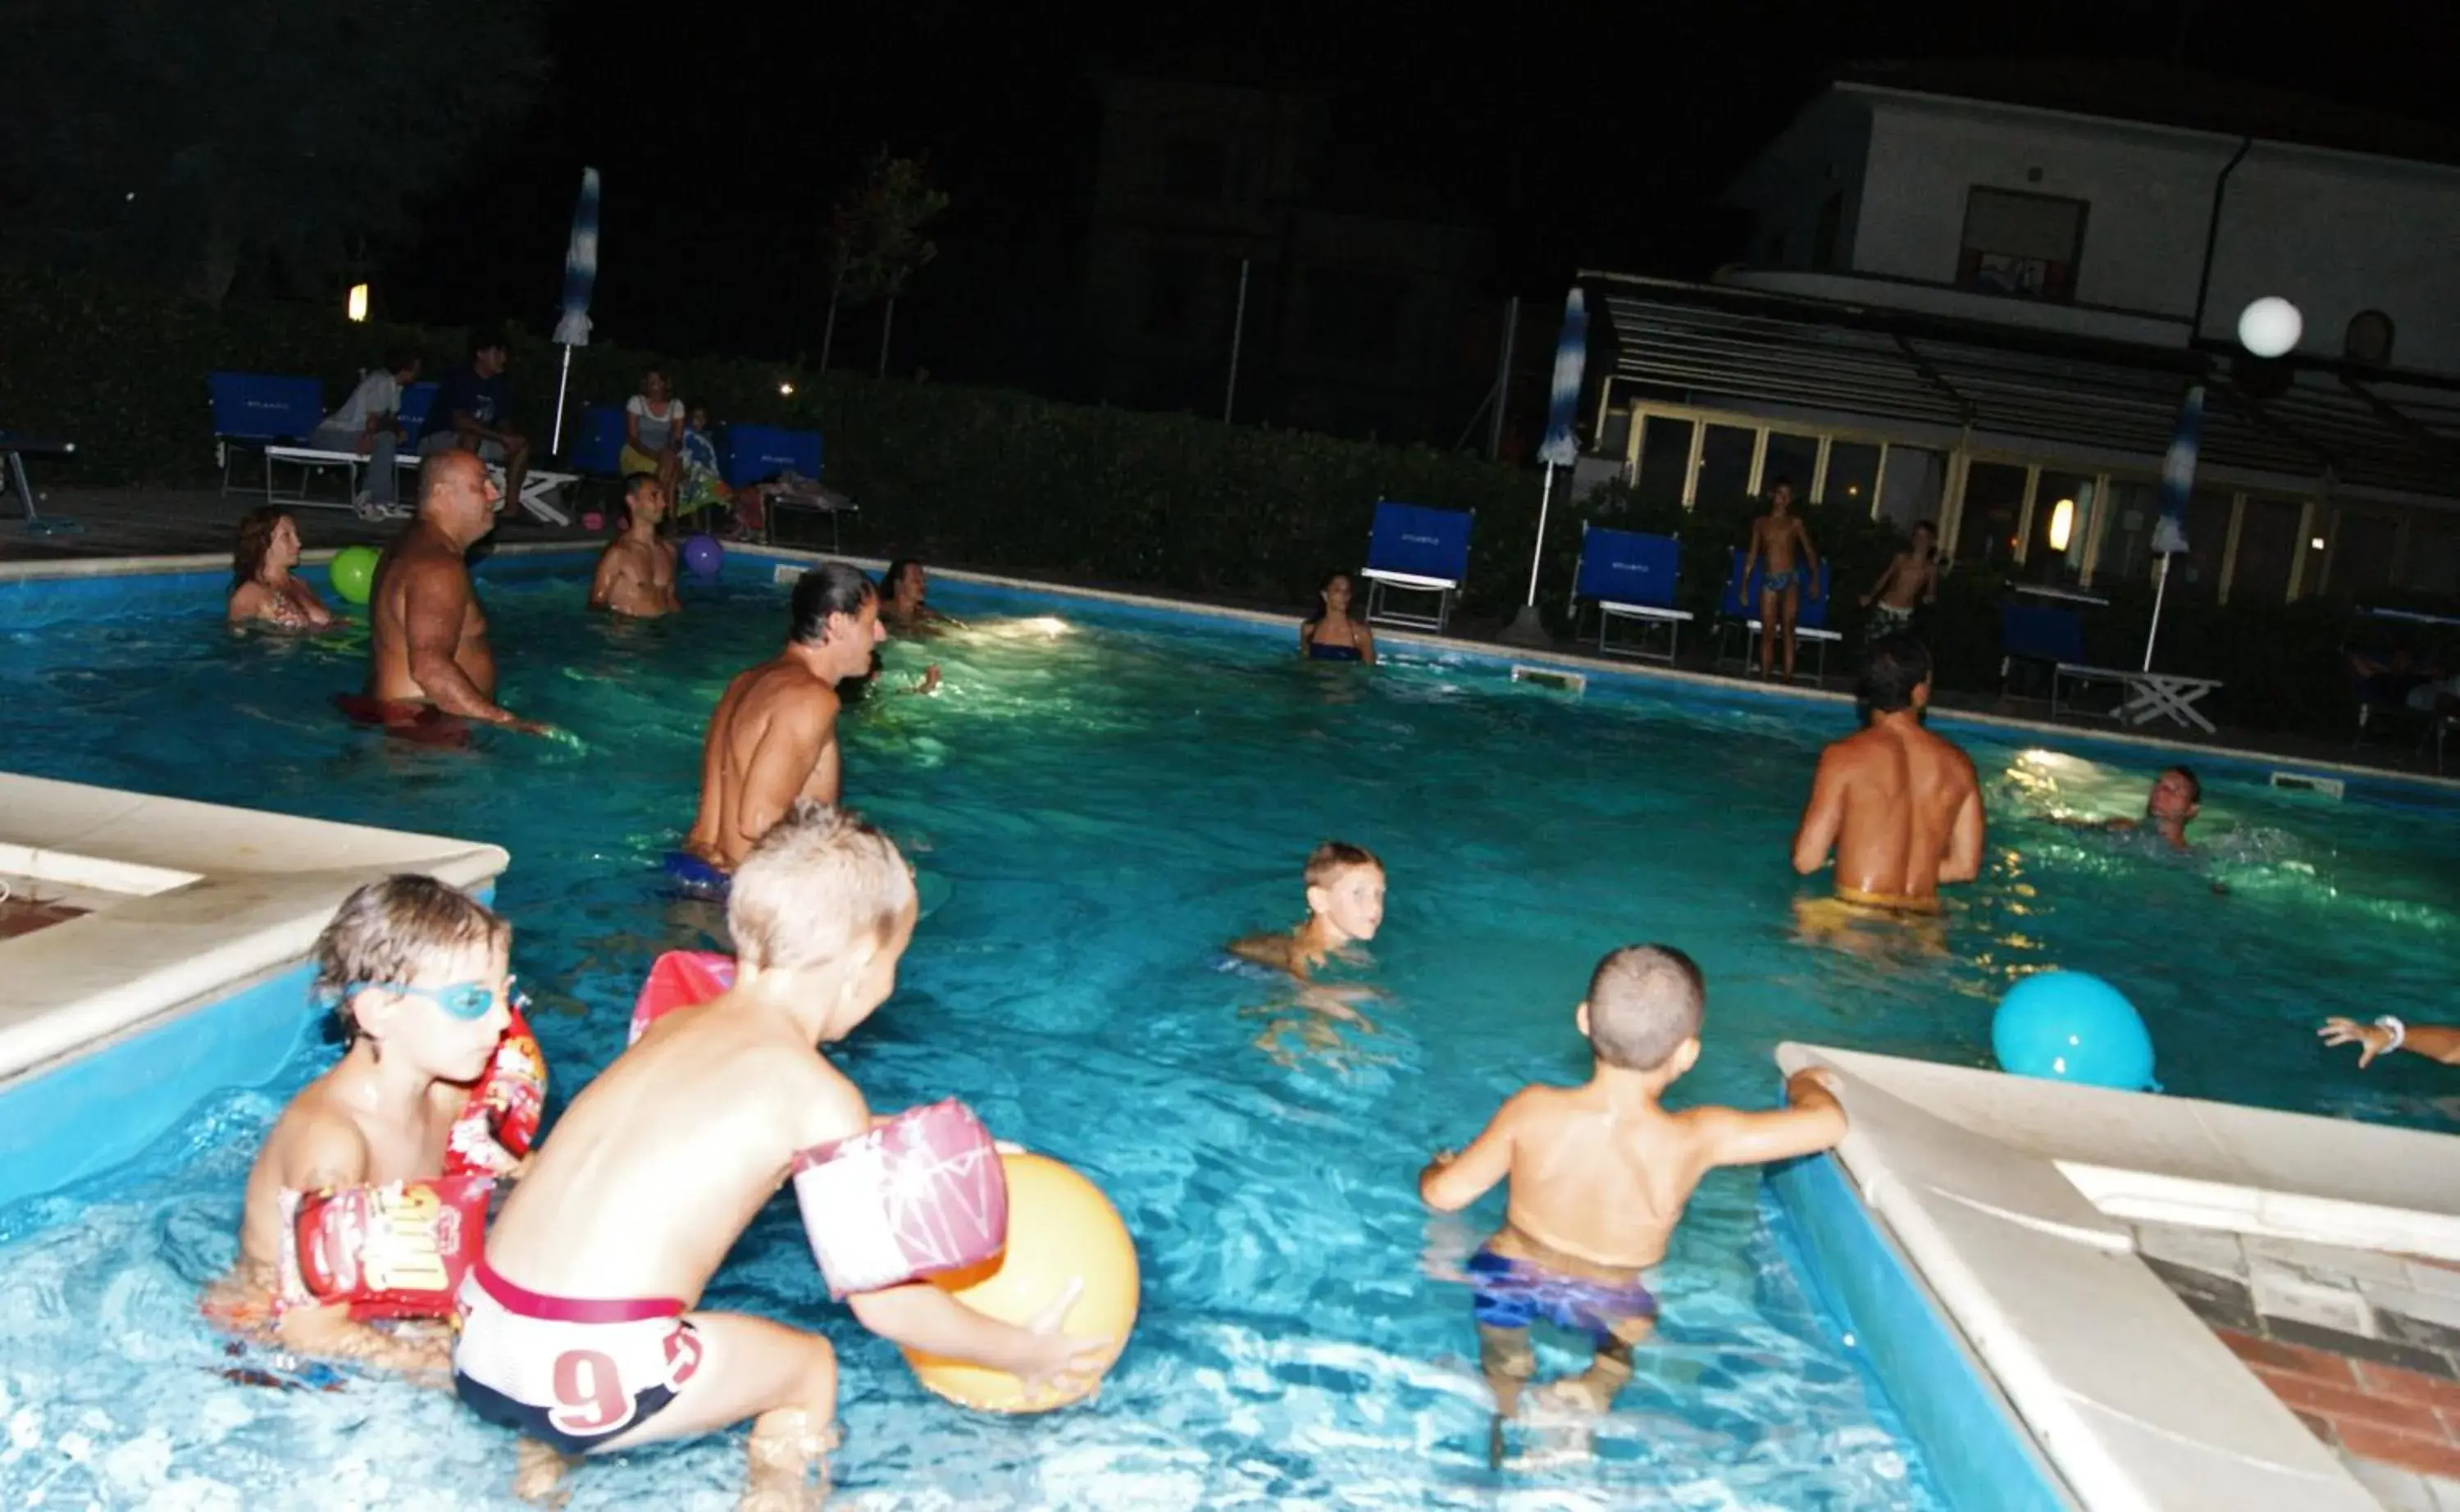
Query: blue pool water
{"x":1109,"y":795}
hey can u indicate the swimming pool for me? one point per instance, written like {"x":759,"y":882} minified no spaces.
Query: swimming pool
{"x":1109,"y":793}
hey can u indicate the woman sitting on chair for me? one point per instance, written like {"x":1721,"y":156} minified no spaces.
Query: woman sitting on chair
{"x":262,"y":590}
{"x":1332,"y":635}
{"x":653,"y":433}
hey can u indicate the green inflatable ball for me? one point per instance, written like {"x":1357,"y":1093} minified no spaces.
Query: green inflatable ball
{"x":354,"y":572}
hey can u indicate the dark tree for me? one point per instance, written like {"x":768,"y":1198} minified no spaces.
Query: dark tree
{"x":257,"y":144}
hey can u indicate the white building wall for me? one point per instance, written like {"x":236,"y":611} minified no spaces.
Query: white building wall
{"x":1824,"y":152}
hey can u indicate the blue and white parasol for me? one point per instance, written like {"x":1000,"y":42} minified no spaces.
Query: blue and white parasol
{"x":580,"y":276}
{"x":2178,"y":484}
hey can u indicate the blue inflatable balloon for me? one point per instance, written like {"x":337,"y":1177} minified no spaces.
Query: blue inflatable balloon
{"x":703,"y":555}
{"x":2066,"y":1025}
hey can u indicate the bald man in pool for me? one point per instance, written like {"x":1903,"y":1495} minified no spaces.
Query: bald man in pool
{"x":430,"y":668}
{"x":1898,"y":806}
{"x":774,"y":738}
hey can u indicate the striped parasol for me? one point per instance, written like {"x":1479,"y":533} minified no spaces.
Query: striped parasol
{"x":2177,"y":482}
{"x":580,"y":277}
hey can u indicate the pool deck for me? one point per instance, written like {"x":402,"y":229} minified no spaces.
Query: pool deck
{"x":2187,"y":1305}
{"x":177,"y":901}
{"x":118,"y":523}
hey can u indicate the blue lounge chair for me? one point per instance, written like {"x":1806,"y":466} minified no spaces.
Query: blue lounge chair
{"x":2041,"y":633}
{"x":1415,"y":549}
{"x":598,"y":443}
{"x":415,"y":401}
{"x":263,"y":411}
{"x":1739,"y":607}
{"x":755,"y":454}
{"x":1631,"y":576}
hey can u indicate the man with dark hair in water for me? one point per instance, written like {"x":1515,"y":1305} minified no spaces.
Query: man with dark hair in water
{"x":2176,"y":797}
{"x":774,"y":738}
{"x":1898,"y":806}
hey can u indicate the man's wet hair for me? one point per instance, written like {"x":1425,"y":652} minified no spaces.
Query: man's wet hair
{"x":820,"y":883}
{"x":2194,"y":784}
{"x":1899,"y":665}
{"x":1334,"y":856}
{"x":1920,"y":525}
{"x":1644,"y":1001}
{"x":1783,"y":483}
{"x":833,"y":587}
{"x":896,"y":573}
{"x":390,"y":930}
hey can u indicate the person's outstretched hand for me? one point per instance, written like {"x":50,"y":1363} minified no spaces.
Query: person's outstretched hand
{"x":2371,"y":1039}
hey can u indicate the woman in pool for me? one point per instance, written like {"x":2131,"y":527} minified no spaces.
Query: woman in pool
{"x":262,"y":590}
{"x":1332,"y":635}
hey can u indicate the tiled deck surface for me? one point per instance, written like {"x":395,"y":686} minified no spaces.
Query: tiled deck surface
{"x":2363,"y":1347}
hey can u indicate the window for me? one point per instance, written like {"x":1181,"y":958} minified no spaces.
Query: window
{"x":1823,"y":236}
{"x":2195,"y":574}
{"x":1789,"y":458}
{"x":1355,"y":315}
{"x":1195,"y":168}
{"x":2055,"y":552}
{"x":2022,"y":246}
{"x":2128,"y":538}
{"x":1853,"y":473}
{"x":1993,"y":496}
{"x":1173,"y":276}
{"x":2267,"y":547}
{"x":1911,"y":486}
{"x":1724,"y":464}
{"x":2363,"y":548}
{"x":2434,"y":553}
{"x":1665,"y":459}
{"x":2368,"y":339}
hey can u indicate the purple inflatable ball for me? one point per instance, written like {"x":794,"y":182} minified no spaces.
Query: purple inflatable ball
{"x":702,"y":556}
{"x":593,"y":520}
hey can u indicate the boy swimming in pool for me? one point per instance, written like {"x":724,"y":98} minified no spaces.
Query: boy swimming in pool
{"x":582,"y":1327}
{"x":417,"y":974}
{"x":1598,"y":1177}
{"x":1344,"y":897}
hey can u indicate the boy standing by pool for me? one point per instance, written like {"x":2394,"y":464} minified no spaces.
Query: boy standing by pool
{"x":418,"y":975}
{"x":1777,"y":536}
{"x":1599,"y":1176}
{"x":580,"y":1328}
{"x":1911,"y":580}
{"x":1344,"y":898}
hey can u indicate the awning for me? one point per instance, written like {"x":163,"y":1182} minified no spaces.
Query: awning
{"x":1707,"y":346}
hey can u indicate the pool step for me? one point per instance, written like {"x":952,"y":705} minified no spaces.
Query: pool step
{"x":1551,"y":678}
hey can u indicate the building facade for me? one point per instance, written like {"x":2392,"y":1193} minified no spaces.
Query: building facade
{"x":1980,"y":299}
{"x":1210,"y":231}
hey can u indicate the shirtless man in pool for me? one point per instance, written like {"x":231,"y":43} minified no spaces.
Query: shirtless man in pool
{"x":1897,"y":804}
{"x":427,"y":644}
{"x":774,"y":738}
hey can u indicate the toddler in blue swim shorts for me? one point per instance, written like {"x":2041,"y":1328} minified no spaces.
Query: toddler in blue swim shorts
{"x":1598,"y":1176}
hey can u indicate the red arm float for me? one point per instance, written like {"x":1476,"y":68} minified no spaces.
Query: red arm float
{"x":500,"y":1121}
{"x":394,"y":1251}
{"x":680,"y":979}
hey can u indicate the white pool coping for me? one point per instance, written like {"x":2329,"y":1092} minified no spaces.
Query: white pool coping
{"x":2012,"y":1197}
{"x":197,"y":899}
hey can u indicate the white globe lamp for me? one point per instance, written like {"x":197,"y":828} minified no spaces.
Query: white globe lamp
{"x":2270,"y":326}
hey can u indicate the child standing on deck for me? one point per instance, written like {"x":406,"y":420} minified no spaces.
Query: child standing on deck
{"x":1599,"y":1176}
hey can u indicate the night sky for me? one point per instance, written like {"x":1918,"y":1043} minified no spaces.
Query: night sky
{"x":1582,"y":135}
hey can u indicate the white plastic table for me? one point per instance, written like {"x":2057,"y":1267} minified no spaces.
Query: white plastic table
{"x":2150,"y":695}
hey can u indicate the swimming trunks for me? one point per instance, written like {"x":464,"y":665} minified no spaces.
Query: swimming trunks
{"x":1516,"y":1293}
{"x":1778,"y":581}
{"x":419,"y":724}
{"x":1886,"y":618}
{"x":693,"y":877}
{"x":1318,"y":651}
{"x":573,"y":1375}
{"x":1886,"y":901}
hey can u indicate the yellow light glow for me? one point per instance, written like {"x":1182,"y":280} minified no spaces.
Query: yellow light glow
{"x":787,"y":390}
{"x":358,"y":301}
{"x":2315,"y":544}
{"x":2062,"y":524}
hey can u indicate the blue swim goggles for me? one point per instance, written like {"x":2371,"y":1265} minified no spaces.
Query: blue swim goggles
{"x":467,"y":1001}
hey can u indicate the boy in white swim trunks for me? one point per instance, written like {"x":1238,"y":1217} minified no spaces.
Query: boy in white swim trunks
{"x":1910,"y":582}
{"x":1599,"y":1176}
{"x":580,"y":1328}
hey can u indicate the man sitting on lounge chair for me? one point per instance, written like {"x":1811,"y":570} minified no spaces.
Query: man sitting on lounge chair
{"x":469,"y":414}
{"x":366,"y":423}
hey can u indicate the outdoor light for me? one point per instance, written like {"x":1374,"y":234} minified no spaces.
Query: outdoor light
{"x":2062,"y":524}
{"x":786,"y":389}
{"x":358,"y":301}
{"x":2315,"y":544}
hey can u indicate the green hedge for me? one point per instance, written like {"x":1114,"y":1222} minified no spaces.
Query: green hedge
{"x":1003,"y":481}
